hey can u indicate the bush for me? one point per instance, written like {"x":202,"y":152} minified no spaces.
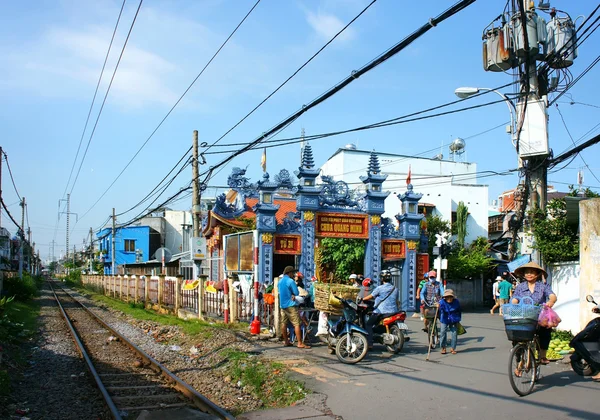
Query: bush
{"x":74,"y":276}
{"x":22,"y":289}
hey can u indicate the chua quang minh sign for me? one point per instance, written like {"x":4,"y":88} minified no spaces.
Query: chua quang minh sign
{"x":333,"y":225}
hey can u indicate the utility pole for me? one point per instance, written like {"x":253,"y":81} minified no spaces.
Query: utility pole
{"x":195,"y":190}
{"x":52,"y":243}
{"x":22,"y":234}
{"x":112,"y":256}
{"x":91,"y":250}
{"x":68,"y":215}
{"x":29,"y":249}
{"x":517,"y":39}
{"x":1,"y":156}
{"x":196,"y":217}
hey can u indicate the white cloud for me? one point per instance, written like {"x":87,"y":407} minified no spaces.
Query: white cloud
{"x":327,"y":25}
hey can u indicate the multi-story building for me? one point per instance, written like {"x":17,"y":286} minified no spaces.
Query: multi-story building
{"x":443,"y":183}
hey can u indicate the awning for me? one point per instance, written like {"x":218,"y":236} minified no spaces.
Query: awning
{"x":516,"y":263}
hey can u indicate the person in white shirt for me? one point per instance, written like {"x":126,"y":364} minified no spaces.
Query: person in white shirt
{"x":496,"y":294}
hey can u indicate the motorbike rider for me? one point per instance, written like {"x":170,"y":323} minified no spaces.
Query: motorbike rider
{"x":431,"y":294}
{"x":386,"y":303}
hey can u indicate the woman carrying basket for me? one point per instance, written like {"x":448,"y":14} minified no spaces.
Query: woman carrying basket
{"x":541,"y":294}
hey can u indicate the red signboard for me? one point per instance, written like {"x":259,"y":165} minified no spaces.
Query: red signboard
{"x":422,"y":266}
{"x":393,"y":249}
{"x":334,"y":225}
{"x":287,"y":244}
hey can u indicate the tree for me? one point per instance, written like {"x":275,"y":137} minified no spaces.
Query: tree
{"x":341,"y":256}
{"x":462,"y":213}
{"x":471,"y":261}
{"x":435,"y":225}
{"x":554,"y":238}
{"x":586,"y":192}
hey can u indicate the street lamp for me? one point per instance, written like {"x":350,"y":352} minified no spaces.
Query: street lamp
{"x":465,"y":92}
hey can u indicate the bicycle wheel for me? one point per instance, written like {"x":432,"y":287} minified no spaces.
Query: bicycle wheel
{"x":433,"y":334}
{"x":522,"y":369}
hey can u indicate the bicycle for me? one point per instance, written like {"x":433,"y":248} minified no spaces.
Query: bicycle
{"x":524,"y":365}
{"x":433,"y":330}
{"x":520,"y":322}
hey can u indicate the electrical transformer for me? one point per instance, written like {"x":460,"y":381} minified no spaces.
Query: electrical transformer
{"x":497,"y":53}
{"x":561,"y":47}
{"x":536,"y":33}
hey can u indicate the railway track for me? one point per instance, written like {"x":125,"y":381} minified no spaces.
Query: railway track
{"x":132,"y":383}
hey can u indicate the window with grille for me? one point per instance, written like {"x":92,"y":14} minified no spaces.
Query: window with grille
{"x":129,"y":245}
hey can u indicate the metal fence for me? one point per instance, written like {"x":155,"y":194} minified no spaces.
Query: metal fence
{"x":164,"y":291}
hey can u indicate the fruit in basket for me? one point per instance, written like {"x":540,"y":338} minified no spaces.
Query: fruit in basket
{"x":553,"y":355}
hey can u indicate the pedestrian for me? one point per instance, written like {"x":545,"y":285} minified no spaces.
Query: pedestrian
{"x":450,"y":316}
{"x":541,"y":294}
{"x":288,"y":291}
{"x":419,"y":303}
{"x":504,"y":292}
{"x":431,"y":294}
{"x":386,"y":303}
{"x":496,"y":294}
{"x":366,"y":288}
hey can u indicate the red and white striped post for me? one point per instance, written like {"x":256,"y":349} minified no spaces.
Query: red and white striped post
{"x":226,"y":301}
{"x":255,"y":324}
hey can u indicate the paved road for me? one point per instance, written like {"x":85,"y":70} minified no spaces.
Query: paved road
{"x":470,"y":385}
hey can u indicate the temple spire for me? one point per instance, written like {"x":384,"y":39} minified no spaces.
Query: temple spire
{"x":307,"y":157}
{"x":373,"y":164}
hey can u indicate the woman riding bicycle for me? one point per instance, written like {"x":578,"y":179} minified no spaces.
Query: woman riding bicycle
{"x":541,"y":294}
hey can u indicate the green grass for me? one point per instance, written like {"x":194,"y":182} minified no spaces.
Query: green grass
{"x":267,"y":380}
{"x":17,"y":324}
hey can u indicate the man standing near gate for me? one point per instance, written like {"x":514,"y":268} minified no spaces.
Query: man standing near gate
{"x":288,"y":291}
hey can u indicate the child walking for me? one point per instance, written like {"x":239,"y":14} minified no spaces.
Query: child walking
{"x":450,"y":315}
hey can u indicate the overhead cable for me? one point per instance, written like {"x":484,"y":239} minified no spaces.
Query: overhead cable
{"x":353,"y":76}
{"x":172,"y":108}
{"x":94,"y":97}
{"x":106,"y":96}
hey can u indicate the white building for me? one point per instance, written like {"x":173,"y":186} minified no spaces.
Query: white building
{"x":443,"y":183}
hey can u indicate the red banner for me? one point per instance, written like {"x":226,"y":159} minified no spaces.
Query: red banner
{"x":422,"y":266}
{"x":333,"y":225}
{"x":393,"y":249}
{"x":287,"y":244}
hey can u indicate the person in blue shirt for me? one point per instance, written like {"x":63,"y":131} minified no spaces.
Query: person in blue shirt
{"x":431,"y":294}
{"x":386,"y":303}
{"x":288,"y":291}
{"x":450,"y":316}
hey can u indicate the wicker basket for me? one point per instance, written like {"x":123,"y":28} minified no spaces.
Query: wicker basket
{"x":324,"y":290}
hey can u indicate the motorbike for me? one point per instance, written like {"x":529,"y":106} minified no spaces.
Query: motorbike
{"x":346,"y":338}
{"x":586,"y":359}
{"x":391,"y":331}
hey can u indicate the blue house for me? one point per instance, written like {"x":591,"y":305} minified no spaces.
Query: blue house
{"x":132,"y":244}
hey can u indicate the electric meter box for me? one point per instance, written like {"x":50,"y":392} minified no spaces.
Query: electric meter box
{"x":533,"y":139}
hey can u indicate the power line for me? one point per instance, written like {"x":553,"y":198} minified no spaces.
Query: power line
{"x":573,"y":141}
{"x":172,"y":108}
{"x":293,"y":74}
{"x":353,"y":76}
{"x":94,"y":97}
{"x":11,"y":176}
{"x":106,"y":95}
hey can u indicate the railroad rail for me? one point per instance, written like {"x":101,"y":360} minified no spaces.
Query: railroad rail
{"x":130,"y":380}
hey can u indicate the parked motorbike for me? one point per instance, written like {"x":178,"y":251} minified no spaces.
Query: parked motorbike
{"x":345,"y":337}
{"x":391,"y":331}
{"x":586,"y":359}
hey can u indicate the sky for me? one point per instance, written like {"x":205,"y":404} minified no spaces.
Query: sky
{"x":53,"y":51}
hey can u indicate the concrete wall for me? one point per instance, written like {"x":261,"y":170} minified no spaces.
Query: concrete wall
{"x":589,"y":256}
{"x":564,"y":279}
{"x":468,"y":291}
